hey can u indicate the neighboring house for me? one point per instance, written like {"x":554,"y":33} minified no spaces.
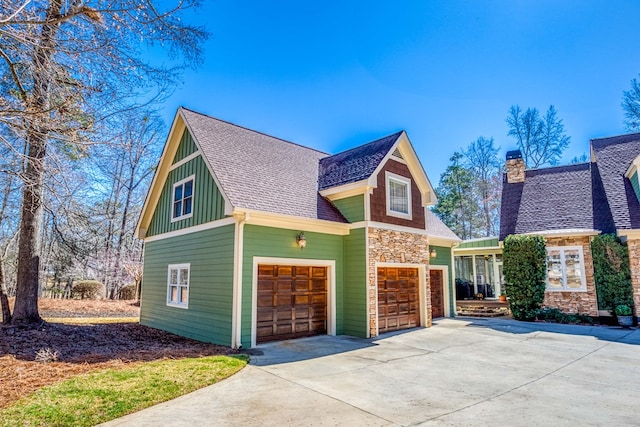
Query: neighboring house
{"x":570,"y":204}
{"x":249,"y":238}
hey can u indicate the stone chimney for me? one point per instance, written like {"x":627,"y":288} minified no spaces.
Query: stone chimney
{"x":515,"y":167}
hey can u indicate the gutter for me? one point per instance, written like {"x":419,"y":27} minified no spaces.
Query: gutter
{"x":236,"y":321}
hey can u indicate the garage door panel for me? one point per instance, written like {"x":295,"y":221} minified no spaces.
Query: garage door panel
{"x":301,"y":286}
{"x":398,"y":298}
{"x":297,"y":299}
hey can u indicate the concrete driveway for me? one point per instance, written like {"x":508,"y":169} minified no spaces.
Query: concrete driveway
{"x":462,"y":372}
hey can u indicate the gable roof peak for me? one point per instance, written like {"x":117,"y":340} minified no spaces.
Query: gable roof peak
{"x":189,"y":111}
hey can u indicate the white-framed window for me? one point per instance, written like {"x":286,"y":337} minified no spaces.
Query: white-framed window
{"x":182,"y":205}
{"x":398,"y":196}
{"x":178,"y":285}
{"x":565,"y":269}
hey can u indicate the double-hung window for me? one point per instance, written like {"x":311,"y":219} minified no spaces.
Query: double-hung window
{"x":398,"y":196}
{"x":565,"y":269}
{"x":182,"y":199}
{"x":178,"y":285}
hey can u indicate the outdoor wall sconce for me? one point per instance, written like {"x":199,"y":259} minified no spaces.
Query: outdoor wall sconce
{"x":301,"y":240}
{"x":433,"y":253}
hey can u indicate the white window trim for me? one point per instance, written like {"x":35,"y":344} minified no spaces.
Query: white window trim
{"x":389,"y":176}
{"x":177,"y":267}
{"x":583,"y":277}
{"x":193,"y":193}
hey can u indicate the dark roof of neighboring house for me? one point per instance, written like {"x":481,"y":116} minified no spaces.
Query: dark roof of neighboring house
{"x":260,"y":172}
{"x":549,"y":199}
{"x":355,"y":164}
{"x":613,"y":156}
{"x":594,"y":195}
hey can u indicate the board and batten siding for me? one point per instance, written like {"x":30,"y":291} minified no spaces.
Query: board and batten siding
{"x":352,"y":208}
{"x":187,"y":147}
{"x":635,"y":183}
{"x":443,"y":257}
{"x":208,"y":316}
{"x":208,"y":203}
{"x":273,"y":242}
{"x":355,"y":283}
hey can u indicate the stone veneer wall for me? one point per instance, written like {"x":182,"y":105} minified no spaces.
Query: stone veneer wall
{"x":575,"y":302}
{"x":634,"y":263}
{"x":396,"y":247}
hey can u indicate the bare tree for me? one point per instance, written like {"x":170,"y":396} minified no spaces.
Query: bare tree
{"x":67,"y":66}
{"x":541,"y":140}
{"x":482,"y":160}
{"x":631,"y":106}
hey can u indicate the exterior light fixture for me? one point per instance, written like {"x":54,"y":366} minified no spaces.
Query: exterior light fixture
{"x":433,"y":253}
{"x":301,"y":240}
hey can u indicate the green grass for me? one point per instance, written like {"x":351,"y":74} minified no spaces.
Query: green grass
{"x":100,"y":396}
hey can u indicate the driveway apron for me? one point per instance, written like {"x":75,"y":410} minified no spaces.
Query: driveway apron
{"x":460,"y":372}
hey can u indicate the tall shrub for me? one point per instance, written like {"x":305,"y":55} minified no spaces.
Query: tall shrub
{"x":524,"y":263}
{"x":611,"y":272}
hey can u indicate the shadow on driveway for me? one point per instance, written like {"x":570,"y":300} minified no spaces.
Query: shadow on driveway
{"x":605,"y":333}
{"x":299,"y":349}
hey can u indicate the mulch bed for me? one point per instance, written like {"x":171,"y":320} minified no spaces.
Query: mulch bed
{"x":85,"y":347}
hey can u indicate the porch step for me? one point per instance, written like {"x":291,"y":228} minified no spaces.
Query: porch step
{"x":478,"y":309}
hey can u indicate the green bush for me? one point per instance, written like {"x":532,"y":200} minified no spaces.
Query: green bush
{"x":524,"y":259}
{"x":555,"y":315}
{"x":127,"y":292}
{"x":87,"y":289}
{"x":623,"y":310}
{"x":611,"y":272}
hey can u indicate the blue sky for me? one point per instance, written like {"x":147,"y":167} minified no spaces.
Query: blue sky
{"x":335,"y":74}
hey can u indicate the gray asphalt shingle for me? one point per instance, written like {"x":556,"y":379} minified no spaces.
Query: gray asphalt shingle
{"x":592,"y":195}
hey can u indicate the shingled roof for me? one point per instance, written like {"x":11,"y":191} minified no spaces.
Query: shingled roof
{"x":437,"y":228}
{"x":355,"y":164}
{"x":260,"y":172}
{"x":613,"y":156}
{"x":586,"y":196}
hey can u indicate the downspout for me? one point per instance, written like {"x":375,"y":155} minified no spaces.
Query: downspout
{"x":236,"y":322}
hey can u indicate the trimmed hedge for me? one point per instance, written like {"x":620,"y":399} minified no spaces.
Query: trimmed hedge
{"x":611,"y":272}
{"x":127,"y":292}
{"x":525,"y":273}
{"x":87,"y":289}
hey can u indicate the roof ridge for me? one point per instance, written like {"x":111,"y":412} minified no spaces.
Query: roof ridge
{"x":548,"y":168}
{"x":252,"y":130}
{"x":359,"y":147}
{"x":616,"y":136}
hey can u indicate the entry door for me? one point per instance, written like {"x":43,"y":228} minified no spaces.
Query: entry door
{"x":436,"y":280}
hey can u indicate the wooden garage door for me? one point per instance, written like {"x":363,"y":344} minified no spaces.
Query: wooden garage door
{"x":292,"y":302}
{"x":437,"y":298}
{"x":398,"y":301}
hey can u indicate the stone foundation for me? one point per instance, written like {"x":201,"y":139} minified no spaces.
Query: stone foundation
{"x":634,"y":263}
{"x":389,"y":246}
{"x":575,"y":302}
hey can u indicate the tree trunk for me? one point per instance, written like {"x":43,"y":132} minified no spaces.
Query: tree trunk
{"x":4,"y":300}
{"x":26,"y":305}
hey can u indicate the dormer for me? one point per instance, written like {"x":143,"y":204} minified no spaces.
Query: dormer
{"x":382,"y":181}
{"x":632,"y":176}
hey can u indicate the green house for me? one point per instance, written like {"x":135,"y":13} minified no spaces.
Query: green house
{"x":250,"y":238}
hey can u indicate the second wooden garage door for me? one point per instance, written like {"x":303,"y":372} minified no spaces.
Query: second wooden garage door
{"x":398,"y":300}
{"x":292,"y":302}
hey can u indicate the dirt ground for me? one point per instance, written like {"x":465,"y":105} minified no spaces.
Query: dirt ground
{"x":66,"y":350}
